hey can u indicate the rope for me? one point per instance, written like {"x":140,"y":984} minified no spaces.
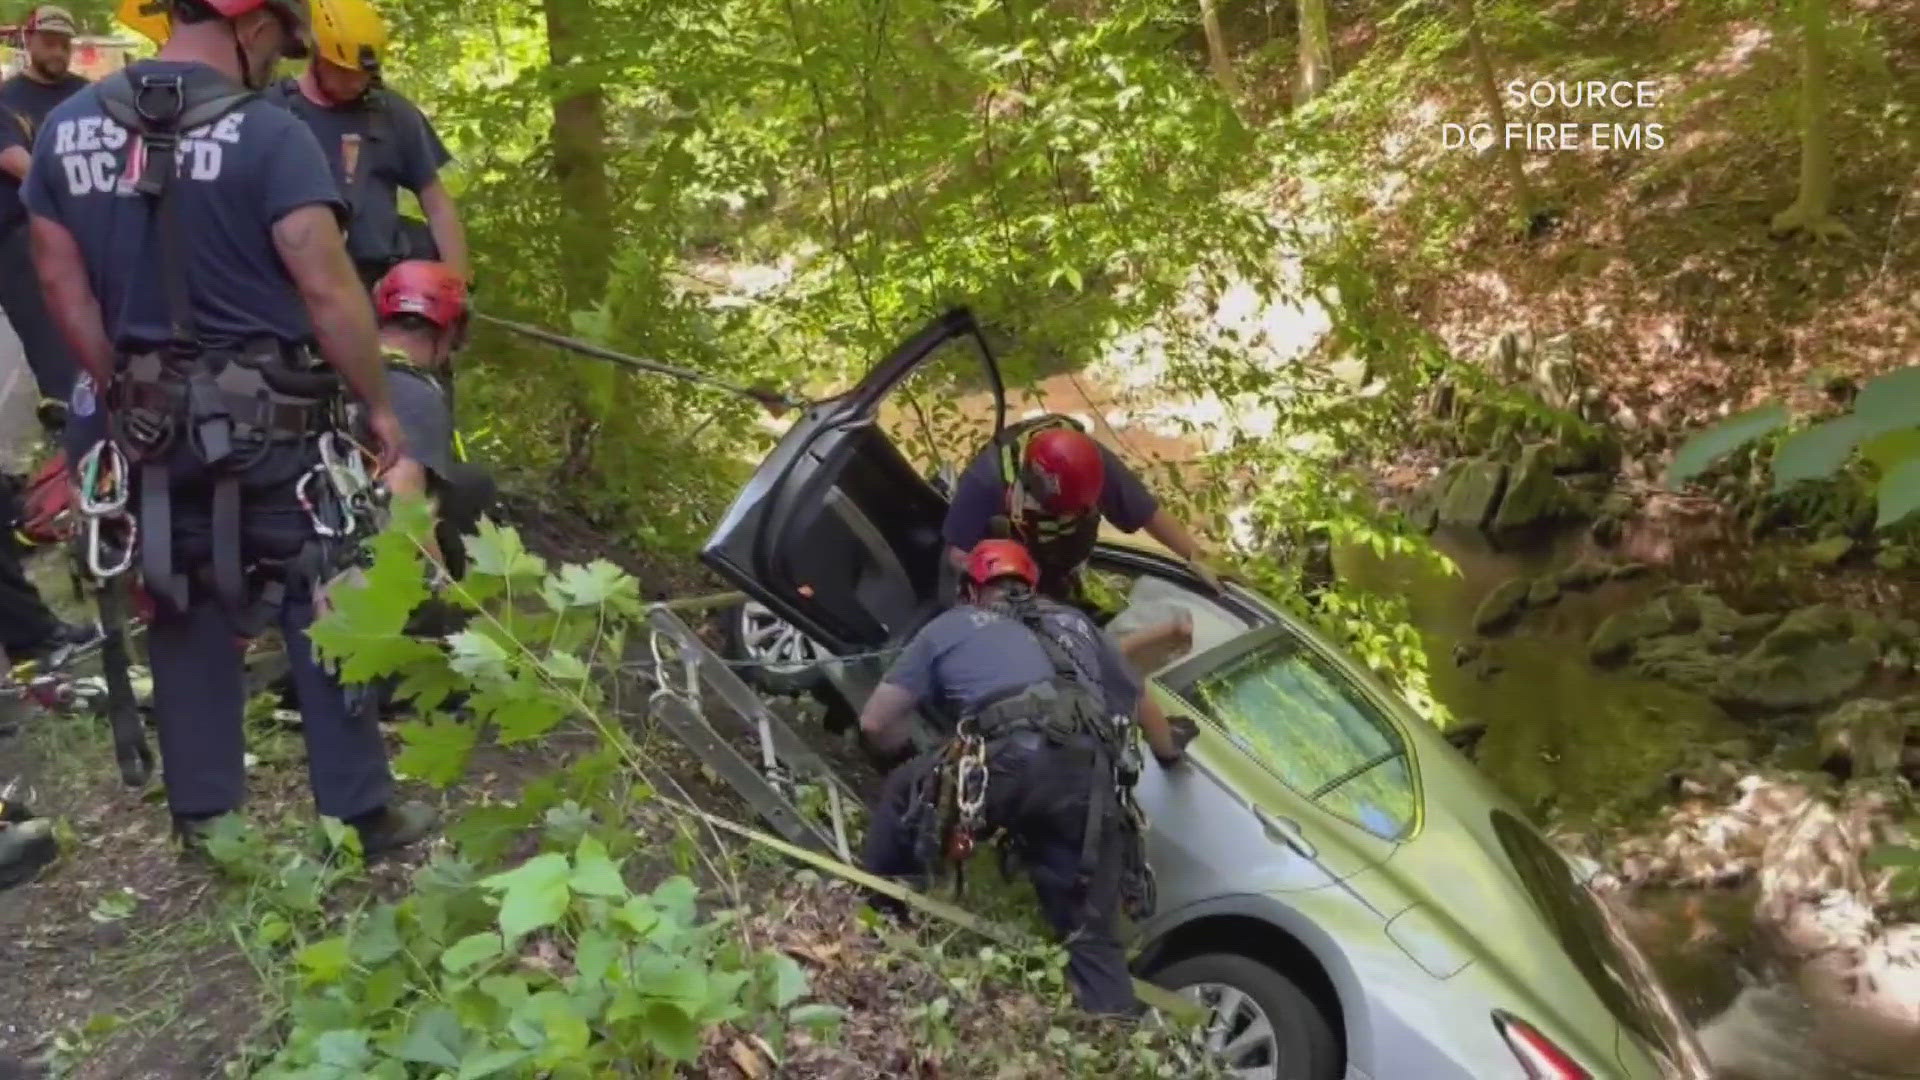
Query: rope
{"x":760,"y":394}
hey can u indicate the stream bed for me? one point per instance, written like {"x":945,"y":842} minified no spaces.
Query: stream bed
{"x":1585,"y":749}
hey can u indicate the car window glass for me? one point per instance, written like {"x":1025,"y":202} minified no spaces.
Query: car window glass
{"x":942,"y":413}
{"x":1300,"y":717}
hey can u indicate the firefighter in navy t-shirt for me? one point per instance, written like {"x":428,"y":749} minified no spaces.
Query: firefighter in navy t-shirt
{"x":187,"y":235}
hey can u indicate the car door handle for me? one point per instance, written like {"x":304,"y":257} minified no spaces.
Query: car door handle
{"x":1287,"y":831}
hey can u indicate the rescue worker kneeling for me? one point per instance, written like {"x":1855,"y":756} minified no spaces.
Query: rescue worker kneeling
{"x":1043,"y":753}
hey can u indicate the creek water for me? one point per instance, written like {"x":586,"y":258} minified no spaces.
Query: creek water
{"x":1584,"y":748}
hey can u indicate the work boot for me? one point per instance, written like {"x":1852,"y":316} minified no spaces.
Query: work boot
{"x":66,"y":642}
{"x":25,"y":847}
{"x":391,"y":828}
{"x":191,"y":831}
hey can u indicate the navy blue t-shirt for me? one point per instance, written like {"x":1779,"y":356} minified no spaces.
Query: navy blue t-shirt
{"x":405,"y":153}
{"x":968,"y":656}
{"x":980,"y":495}
{"x":237,"y":178}
{"x":24,"y":103}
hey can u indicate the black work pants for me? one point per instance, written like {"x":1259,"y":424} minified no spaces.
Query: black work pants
{"x":1038,"y":793}
{"x":25,"y":621}
{"x":26,"y":310}
{"x":199,"y":684}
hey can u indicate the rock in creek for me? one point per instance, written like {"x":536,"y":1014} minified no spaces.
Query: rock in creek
{"x":1473,"y":493}
{"x":1502,"y":606}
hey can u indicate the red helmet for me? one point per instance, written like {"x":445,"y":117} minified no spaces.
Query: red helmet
{"x":427,"y":289}
{"x":992,"y":560}
{"x":1063,"y":470}
{"x":291,"y":13}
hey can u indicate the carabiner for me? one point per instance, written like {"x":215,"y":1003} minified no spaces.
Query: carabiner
{"x":320,"y":525}
{"x":92,"y":479}
{"x":96,"y":565}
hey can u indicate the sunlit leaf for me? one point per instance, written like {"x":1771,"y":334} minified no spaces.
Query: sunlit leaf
{"x":1889,"y":402}
{"x":536,"y":894}
{"x":435,"y":751}
{"x":1698,"y":453}
{"x":435,"y":1038}
{"x":1899,"y":493}
{"x":1816,"y":453}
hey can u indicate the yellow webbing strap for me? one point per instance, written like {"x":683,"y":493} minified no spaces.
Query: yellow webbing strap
{"x":1166,"y":1001}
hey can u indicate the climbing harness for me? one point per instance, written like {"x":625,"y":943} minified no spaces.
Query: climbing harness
{"x":1063,"y":710}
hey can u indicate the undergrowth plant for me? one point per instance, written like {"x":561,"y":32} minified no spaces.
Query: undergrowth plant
{"x":528,"y":949}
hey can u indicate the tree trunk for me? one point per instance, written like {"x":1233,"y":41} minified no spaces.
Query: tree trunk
{"x":1316,"y":52}
{"x":1490,"y":90}
{"x":579,"y":160}
{"x":1812,"y":210}
{"x":1217,"y":55}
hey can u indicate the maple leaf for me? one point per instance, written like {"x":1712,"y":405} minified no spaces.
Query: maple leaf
{"x":436,"y":750}
{"x":364,"y":629}
{"x":478,"y":656}
{"x":598,"y":582}
{"x":518,"y":712}
{"x":497,"y":552}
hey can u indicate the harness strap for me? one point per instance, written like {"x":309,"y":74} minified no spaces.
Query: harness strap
{"x":156,"y":547}
{"x":229,"y":578}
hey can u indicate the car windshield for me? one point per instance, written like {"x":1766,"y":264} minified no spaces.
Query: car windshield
{"x":1295,"y":712}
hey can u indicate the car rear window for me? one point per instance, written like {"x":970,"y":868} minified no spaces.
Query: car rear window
{"x":1591,"y":939}
{"x":1295,"y":712}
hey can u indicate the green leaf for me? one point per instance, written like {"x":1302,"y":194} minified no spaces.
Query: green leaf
{"x":595,"y":954}
{"x":484,"y":832}
{"x":675,"y":898}
{"x":436,"y":751}
{"x":324,"y":961}
{"x":566,"y":1029}
{"x":1816,"y":453}
{"x":1697,"y":454}
{"x":472,"y":949}
{"x":485,"y":1063}
{"x":536,"y":894}
{"x":497,"y":552}
{"x":364,"y":629}
{"x":1883,"y":452}
{"x":428,"y":685}
{"x":382,"y":989}
{"x":520,"y":712}
{"x":478,"y":656}
{"x":591,"y":585}
{"x":1899,"y":493}
{"x":789,"y":981}
{"x":672,"y":1031}
{"x":594,"y":874}
{"x":377,"y":938}
{"x":565,"y":667}
{"x":1893,"y":855}
{"x":1889,"y":402}
{"x":567,"y":823}
{"x":817,"y":1018}
{"x":343,"y":1052}
{"x":435,"y":1038}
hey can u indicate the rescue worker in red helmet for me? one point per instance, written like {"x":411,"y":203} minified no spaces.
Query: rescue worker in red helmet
{"x":422,"y":310}
{"x":1041,"y":707}
{"x":1047,"y":484}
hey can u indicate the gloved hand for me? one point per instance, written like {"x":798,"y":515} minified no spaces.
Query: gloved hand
{"x":1184,"y":730}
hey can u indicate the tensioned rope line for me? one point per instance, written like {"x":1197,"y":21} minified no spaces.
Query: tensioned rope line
{"x":761,"y":394}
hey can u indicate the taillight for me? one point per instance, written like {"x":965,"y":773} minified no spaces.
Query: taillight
{"x":1541,"y":1059}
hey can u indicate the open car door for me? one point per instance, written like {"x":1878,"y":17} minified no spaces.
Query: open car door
{"x":838,"y":532}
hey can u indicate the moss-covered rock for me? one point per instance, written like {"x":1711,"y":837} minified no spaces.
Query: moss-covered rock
{"x":1473,"y":494}
{"x":1502,"y":606}
{"x":1534,"y":496}
{"x":1543,"y":592}
{"x":1621,"y":632}
{"x":1584,"y":575}
{"x":1869,"y":734}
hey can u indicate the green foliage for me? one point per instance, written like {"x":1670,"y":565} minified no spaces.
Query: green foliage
{"x":1881,"y":426}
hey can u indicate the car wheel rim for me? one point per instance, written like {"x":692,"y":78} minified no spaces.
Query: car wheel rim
{"x":774,"y":643}
{"x":1239,"y":1031}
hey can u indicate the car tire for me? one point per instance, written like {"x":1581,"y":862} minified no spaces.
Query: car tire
{"x":745,"y":622}
{"x":1304,"y":1046}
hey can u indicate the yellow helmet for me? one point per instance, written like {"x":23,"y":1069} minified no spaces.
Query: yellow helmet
{"x":349,"y":33}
